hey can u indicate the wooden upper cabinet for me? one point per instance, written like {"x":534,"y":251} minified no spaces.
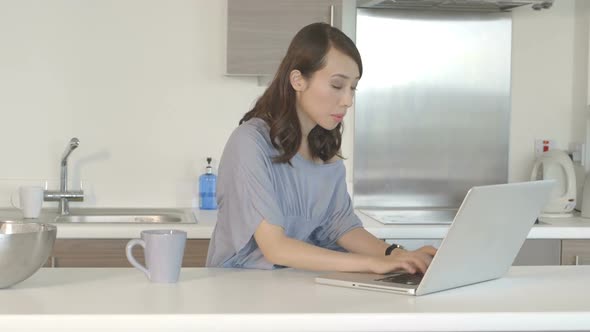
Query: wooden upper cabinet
{"x":259,"y":31}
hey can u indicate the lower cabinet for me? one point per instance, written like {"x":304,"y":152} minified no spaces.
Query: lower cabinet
{"x":539,"y":252}
{"x":111,"y":253}
{"x":575,"y":252}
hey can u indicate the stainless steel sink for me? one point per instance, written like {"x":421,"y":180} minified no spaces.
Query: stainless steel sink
{"x":146,"y":216}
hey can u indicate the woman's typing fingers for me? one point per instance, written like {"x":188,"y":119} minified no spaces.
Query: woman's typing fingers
{"x":412,"y":261}
{"x":430,"y":250}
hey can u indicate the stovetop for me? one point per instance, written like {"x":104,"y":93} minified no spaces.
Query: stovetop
{"x":411,"y":216}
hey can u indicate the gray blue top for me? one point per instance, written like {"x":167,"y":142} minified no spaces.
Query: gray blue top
{"x":308,"y":200}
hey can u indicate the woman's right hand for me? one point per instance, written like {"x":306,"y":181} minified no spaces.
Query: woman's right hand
{"x":400,"y":259}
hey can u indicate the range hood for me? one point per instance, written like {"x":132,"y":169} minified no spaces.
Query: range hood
{"x":455,"y":5}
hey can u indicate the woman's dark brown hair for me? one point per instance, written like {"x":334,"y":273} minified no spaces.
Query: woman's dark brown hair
{"x":306,"y":53}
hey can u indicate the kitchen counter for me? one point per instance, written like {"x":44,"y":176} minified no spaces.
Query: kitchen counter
{"x":548,"y":228}
{"x":533,"y":298}
{"x":202,"y":228}
{"x":72,"y":230}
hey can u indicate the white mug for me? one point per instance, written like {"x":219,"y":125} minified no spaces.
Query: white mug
{"x":163,"y":252}
{"x":30,"y":201}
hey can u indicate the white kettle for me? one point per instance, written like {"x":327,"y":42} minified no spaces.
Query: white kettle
{"x":557,"y":165}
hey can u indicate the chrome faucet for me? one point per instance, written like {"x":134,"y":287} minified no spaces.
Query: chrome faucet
{"x":63,"y":195}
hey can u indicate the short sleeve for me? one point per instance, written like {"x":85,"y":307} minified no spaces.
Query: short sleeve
{"x":342,"y":220}
{"x":246,"y":192}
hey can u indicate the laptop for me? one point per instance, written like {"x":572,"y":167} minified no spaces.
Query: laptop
{"x":481,"y":244}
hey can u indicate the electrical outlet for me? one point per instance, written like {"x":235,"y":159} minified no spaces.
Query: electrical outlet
{"x":544,"y":145}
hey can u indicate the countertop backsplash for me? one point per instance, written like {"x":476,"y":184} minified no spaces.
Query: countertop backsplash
{"x":184,"y":194}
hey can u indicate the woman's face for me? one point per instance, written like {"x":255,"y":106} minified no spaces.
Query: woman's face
{"x":324,"y":98}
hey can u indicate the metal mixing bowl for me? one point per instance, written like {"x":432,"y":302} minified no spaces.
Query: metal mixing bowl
{"x":24,"y":248}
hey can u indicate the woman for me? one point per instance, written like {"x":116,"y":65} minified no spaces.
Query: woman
{"x":281,"y":188}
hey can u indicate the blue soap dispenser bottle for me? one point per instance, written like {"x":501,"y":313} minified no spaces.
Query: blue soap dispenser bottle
{"x":207,"y":184}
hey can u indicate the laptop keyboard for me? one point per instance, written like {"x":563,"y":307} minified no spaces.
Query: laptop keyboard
{"x":404,"y":278}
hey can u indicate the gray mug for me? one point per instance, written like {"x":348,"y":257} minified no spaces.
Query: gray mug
{"x":163,"y":252}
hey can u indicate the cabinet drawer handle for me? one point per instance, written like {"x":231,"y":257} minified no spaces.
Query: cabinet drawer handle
{"x":577,"y":260}
{"x":53,"y":261}
{"x":332,"y":15}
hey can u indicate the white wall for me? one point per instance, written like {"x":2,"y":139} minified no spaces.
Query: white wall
{"x":542,"y":85}
{"x":580,"y":120}
{"x":141,"y":84}
{"x":580,"y":72}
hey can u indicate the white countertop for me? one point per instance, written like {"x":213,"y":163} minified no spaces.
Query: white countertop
{"x":202,"y":228}
{"x":548,"y":298}
{"x":548,"y":228}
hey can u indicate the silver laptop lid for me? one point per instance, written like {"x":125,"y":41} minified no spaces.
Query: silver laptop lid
{"x":486,"y":235}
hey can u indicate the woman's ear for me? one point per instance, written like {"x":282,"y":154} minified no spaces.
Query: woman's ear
{"x":297,"y":80}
